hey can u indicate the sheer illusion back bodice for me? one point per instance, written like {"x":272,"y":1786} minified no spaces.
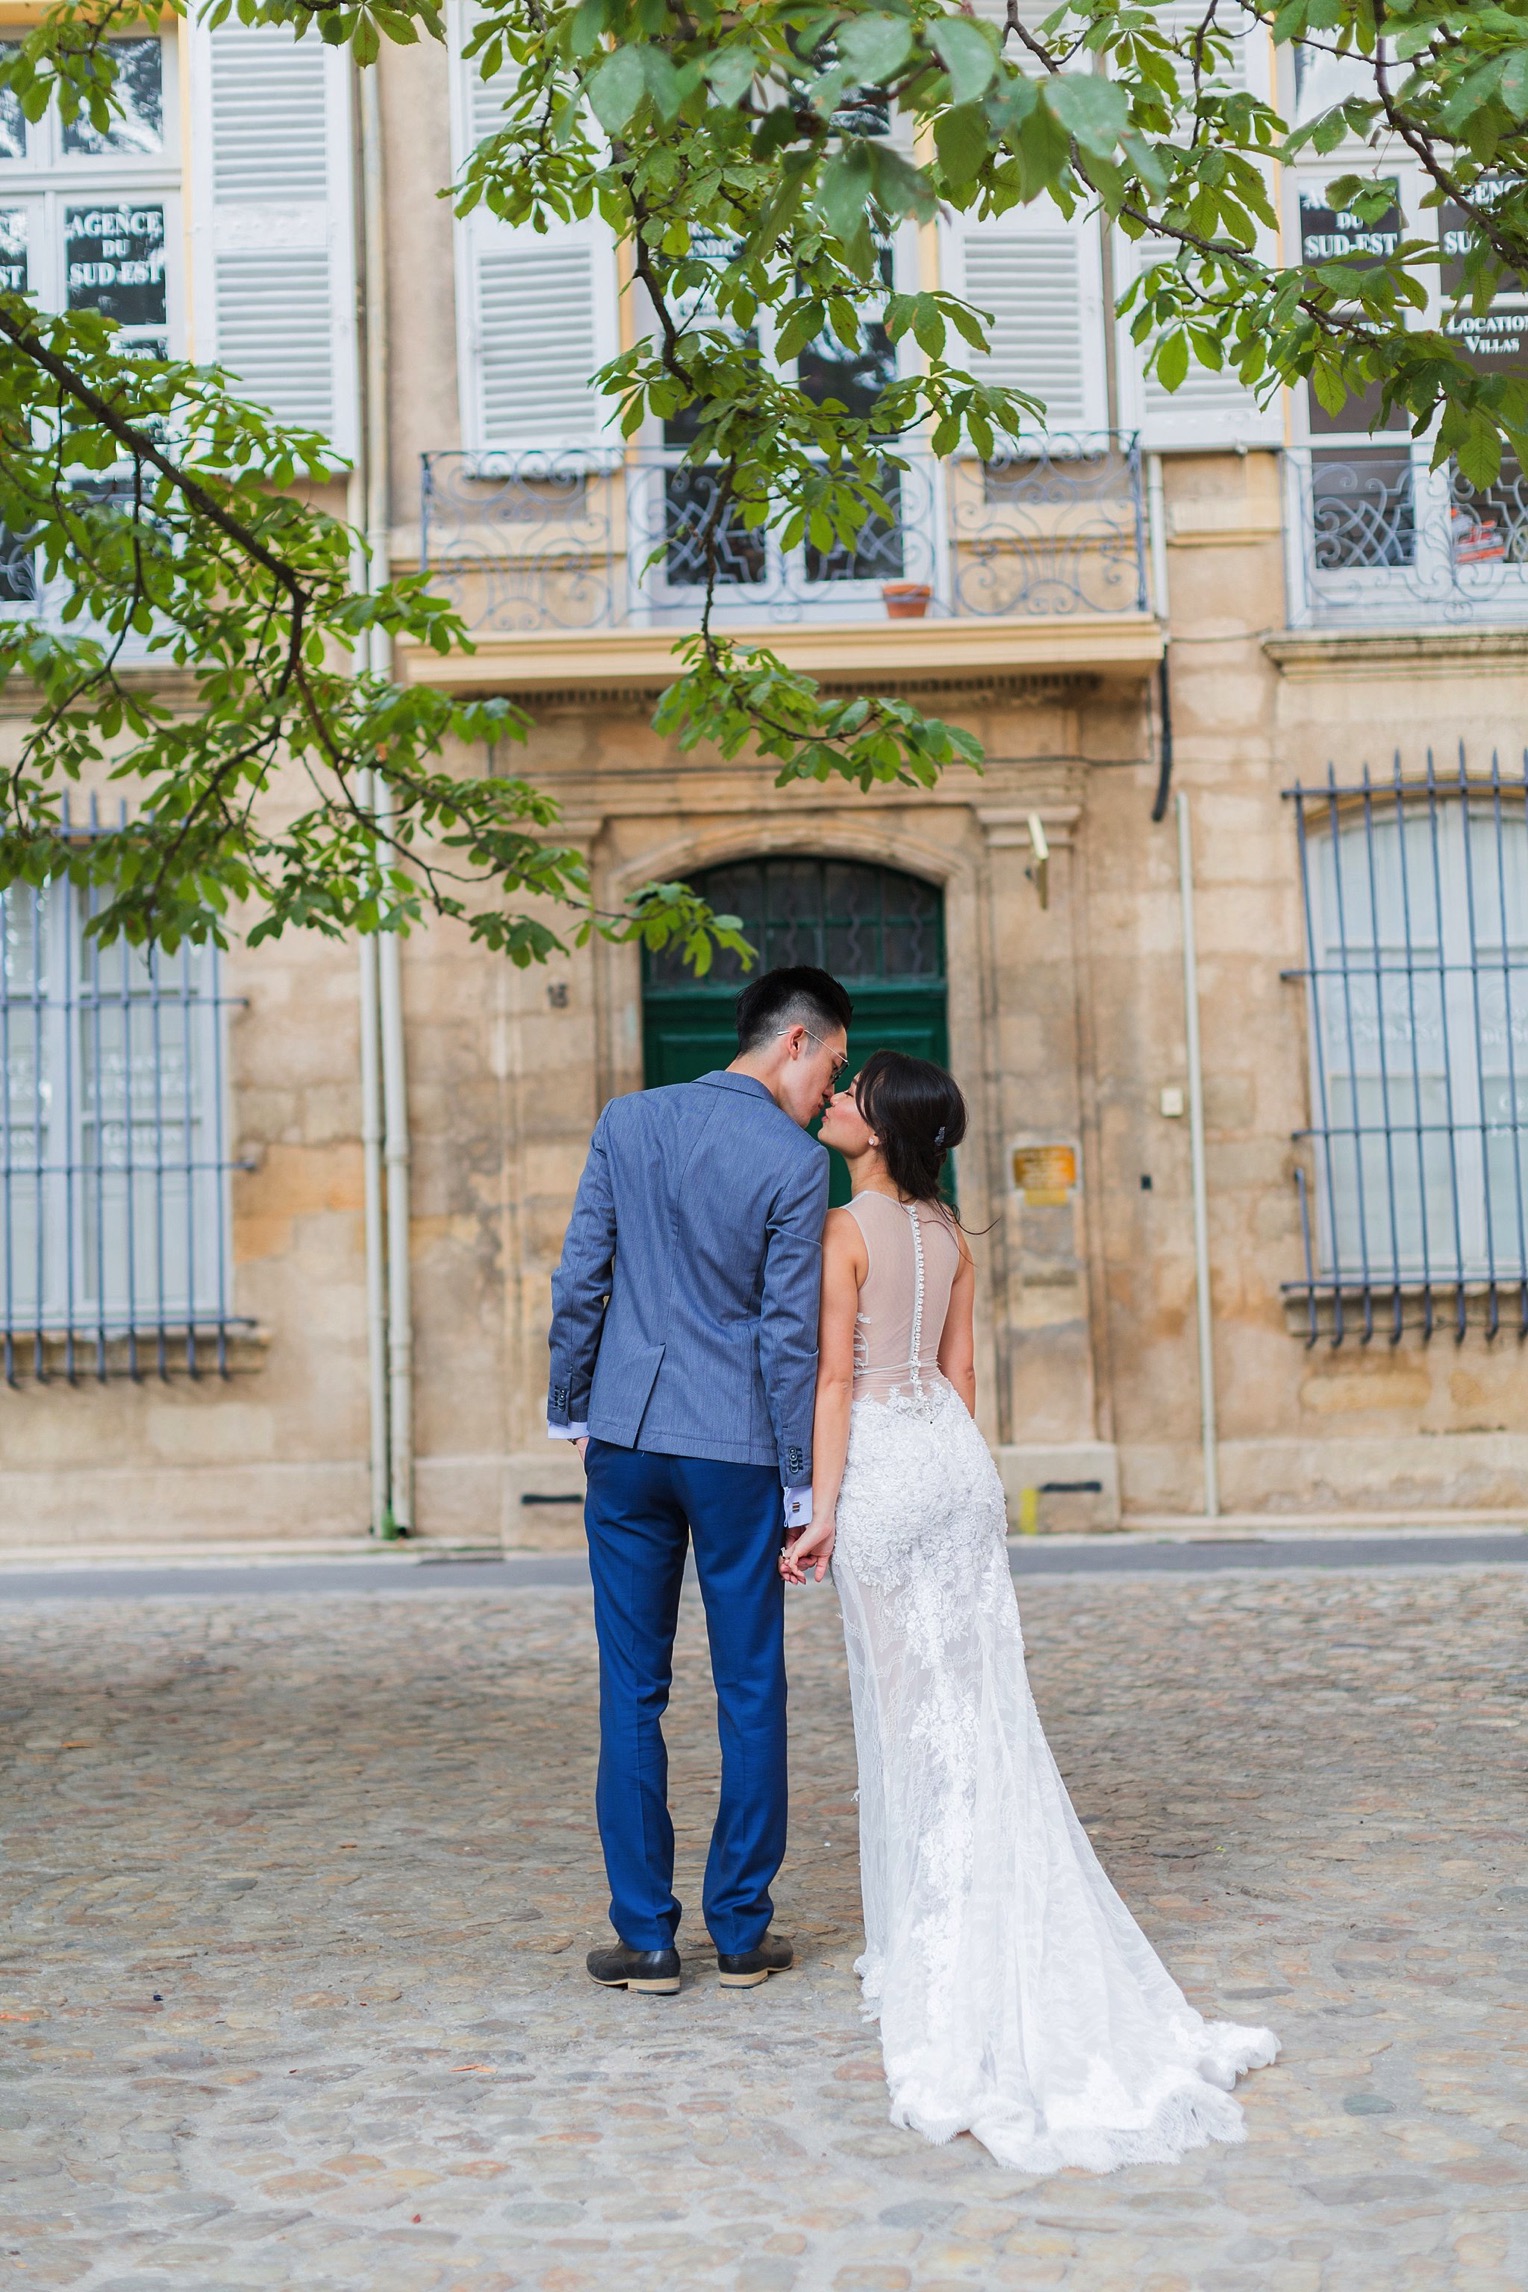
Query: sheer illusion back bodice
{"x":914,"y":1258}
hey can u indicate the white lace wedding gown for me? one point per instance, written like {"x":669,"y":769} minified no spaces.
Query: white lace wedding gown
{"x":1018,"y":1999}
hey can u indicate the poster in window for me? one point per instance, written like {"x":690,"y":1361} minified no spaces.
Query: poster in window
{"x":1494,"y":340}
{"x":1335,"y":234}
{"x":116,"y":262}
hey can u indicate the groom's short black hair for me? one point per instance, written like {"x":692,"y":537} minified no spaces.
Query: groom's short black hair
{"x":795,"y":995}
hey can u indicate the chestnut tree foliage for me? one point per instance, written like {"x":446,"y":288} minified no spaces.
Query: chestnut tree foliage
{"x":754,"y":155}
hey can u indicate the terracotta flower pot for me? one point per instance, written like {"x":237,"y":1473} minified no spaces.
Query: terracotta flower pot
{"x":906,"y":600}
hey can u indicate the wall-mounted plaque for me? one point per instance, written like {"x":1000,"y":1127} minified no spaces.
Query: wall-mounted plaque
{"x":1046,"y":1175}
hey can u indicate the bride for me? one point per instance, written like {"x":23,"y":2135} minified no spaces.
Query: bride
{"x":1018,"y":1999}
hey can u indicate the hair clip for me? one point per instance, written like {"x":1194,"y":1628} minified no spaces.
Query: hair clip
{"x":939,"y":1135}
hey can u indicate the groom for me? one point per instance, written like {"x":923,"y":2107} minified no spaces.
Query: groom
{"x":684,"y":1363}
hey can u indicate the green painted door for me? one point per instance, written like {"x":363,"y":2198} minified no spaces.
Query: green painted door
{"x":879,"y":931}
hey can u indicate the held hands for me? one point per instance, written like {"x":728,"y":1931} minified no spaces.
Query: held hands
{"x":810,"y":1551}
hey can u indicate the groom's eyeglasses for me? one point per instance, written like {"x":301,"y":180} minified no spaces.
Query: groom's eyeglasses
{"x":841,"y":1059}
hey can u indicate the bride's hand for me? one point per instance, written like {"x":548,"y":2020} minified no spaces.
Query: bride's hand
{"x":812,"y":1549}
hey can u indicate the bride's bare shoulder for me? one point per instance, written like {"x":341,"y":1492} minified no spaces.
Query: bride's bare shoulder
{"x":842,"y":1238}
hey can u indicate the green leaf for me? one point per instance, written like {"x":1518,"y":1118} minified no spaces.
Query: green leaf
{"x":1514,"y":84}
{"x":844,"y":192}
{"x":961,"y":140}
{"x":1331,"y":390}
{"x":1479,"y":454}
{"x":874,"y":47}
{"x":617,"y":88}
{"x":1172,"y":360}
{"x":901,"y":189}
{"x":662,"y":82}
{"x":803,"y":325}
{"x":1094,"y":110}
{"x":968,"y":54}
{"x":1147,"y":161}
{"x":731,"y":74}
{"x":1010,"y":103}
{"x":967,"y":323}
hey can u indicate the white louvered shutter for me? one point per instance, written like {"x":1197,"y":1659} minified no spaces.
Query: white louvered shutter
{"x":1207,"y":410}
{"x":1038,"y":278}
{"x":275,"y":274}
{"x":536,"y":311}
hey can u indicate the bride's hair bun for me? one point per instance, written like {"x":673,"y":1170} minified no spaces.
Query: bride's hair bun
{"x":917,"y":1112}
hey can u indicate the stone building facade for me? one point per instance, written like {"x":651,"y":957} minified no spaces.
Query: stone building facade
{"x":1322,"y":604}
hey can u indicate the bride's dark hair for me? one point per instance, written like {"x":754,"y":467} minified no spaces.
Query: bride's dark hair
{"x":917,"y":1113}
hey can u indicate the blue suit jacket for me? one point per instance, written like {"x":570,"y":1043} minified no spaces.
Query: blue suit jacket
{"x":684,"y":1311}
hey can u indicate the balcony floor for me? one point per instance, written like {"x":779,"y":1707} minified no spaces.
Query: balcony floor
{"x":881,"y":653}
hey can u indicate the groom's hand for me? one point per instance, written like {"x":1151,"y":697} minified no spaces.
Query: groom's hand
{"x":811,"y":1550}
{"x":582,"y":1447}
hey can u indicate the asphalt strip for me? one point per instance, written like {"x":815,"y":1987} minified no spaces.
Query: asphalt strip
{"x":523,"y":1571}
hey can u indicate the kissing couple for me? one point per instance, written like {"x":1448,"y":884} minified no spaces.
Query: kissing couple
{"x":783,"y":1385}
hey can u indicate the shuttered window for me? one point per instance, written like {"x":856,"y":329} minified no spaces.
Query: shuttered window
{"x":1037,"y":277}
{"x":275,"y":281}
{"x":91,"y":220}
{"x":1207,"y":409}
{"x":536,"y":312}
{"x":538,"y":340}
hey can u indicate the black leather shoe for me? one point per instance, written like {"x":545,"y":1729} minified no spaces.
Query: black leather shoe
{"x":745,"y":1969}
{"x":621,"y":1968}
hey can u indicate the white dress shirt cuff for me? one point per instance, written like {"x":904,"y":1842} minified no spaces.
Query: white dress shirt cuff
{"x":798,"y":1507}
{"x":567,"y":1432}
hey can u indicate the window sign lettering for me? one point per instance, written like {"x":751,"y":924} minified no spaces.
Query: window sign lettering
{"x":13,"y":250}
{"x":139,"y":126}
{"x":1495,"y":340}
{"x":1335,"y":234}
{"x":116,"y":262}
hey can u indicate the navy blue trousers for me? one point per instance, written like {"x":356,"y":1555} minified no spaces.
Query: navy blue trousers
{"x":642,"y":1511}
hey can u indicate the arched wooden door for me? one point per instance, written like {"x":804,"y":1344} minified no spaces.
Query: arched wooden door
{"x":881,"y":932}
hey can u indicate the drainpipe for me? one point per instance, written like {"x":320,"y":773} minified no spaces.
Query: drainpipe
{"x":371,"y":1130}
{"x":1156,"y":530}
{"x":376,"y":1256}
{"x":395,"y":1123}
{"x":1196,"y":1147}
{"x":373,"y":1209}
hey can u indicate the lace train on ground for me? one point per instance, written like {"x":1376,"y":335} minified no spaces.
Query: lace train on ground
{"x":1017,"y":1997}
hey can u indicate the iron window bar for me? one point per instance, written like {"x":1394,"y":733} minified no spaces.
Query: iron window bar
{"x":115,"y":1175}
{"x":1415,"y":899}
{"x":601,"y":536}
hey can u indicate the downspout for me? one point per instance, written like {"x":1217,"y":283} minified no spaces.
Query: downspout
{"x":373,"y":1211}
{"x":1156,"y":529}
{"x":1196,"y":1147}
{"x":371,"y":1135}
{"x":395,"y":1125}
{"x":376,"y":1293}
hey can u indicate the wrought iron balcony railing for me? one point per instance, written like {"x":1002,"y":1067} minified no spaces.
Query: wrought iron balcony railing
{"x":1381,"y":537}
{"x":594,"y":538}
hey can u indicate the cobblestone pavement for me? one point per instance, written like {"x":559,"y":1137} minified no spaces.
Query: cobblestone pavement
{"x":297,"y":1892}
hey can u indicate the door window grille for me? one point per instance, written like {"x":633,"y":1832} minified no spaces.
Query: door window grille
{"x":1416,"y":907}
{"x":114,"y":1174}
